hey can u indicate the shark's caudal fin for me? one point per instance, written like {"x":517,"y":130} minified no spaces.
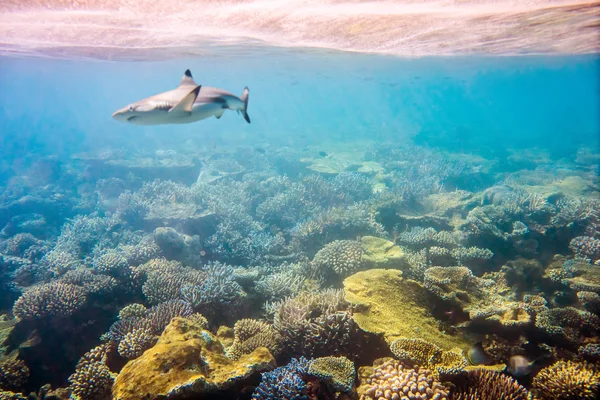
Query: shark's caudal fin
{"x":244,"y":98}
{"x":185,"y":104}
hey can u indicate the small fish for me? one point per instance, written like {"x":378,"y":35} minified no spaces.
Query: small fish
{"x":520,"y":366}
{"x":323,"y":154}
{"x":477,"y":355}
{"x":260,"y":150}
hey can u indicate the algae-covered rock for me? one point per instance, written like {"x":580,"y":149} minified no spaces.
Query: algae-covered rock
{"x":386,"y":303}
{"x":186,"y":360}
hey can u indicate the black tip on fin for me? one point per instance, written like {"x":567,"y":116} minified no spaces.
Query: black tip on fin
{"x":246,"y":117}
{"x":188,"y":73}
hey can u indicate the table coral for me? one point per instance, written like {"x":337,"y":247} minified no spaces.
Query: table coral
{"x":186,"y":359}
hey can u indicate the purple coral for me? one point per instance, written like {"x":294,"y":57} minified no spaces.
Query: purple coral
{"x":56,"y":299}
{"x":585,"y":247}
{"x":284,"y":382}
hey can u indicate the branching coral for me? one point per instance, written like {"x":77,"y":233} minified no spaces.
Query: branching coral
{"x":567,"y":380}
{"x":54,"y":299}
{"x":92,"y":380}
{"x":482,"y":384}
{"x":585,"y":247}
{"x":344,"y":257}
{"x":13,"y":374}
{"x":284,"y":382}
{"x":251,"y":334}
{"x":568,"y":323}
{"x":314,"y":322}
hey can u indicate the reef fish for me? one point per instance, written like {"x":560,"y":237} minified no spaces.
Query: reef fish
{"x":520,"y":366}
{"x":189,"y":102}
{"x":477,"y":355}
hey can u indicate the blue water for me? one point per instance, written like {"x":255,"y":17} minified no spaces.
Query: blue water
{"x":471,"y":104}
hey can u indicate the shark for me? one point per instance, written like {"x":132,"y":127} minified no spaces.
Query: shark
{"x":188,"y":102}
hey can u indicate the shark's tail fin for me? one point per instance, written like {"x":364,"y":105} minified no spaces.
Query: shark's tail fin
{"x":244,"y":98}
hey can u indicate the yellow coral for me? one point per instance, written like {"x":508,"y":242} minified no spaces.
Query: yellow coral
{"x":567,"y":380}
{"x":338,"y":372}
{"x":415,"y":351}
{"x":384,"y":302}
{"x":250,"y":334}
{"x":186,"y":359}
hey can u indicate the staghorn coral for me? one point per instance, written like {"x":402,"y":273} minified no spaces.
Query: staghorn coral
{"x":390,"y":380}
{"x":301,"y":320}
{"x":249,"y":335}
{"x":483,"y":384}
{"x":135,"y":342}
{"x":132,"y":310}
{"x":344,"y":257}
{"x":567,"y":380}
{"x":166,"y":279}
{"x":199,"y":320}
{"x":13,"y":374}
{"x":419,"y":237}
{"x":585,"y":247}
{"x":92,"y":283}
{"x":91,"y":381}
{"x":284,"y":382}
{"x":55,"y":299}
{"x":280,"y":284}
{"x":110,"y":262}
{"x":337,"y":372}
{"x":136,"y":333}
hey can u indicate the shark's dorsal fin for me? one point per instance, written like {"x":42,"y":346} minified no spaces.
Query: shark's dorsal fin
{"x":187,"y":79}
{"x":185,"y":104}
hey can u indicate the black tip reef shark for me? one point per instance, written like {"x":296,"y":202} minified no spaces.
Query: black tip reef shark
{"x":189,"y":102}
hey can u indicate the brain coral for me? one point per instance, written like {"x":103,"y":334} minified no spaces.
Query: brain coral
{"x":567,"y":380}
{"x":337,"y":372}
{"x":342,"y":256}
{"x":482,"y":384}
{"x":55,"y":299}
{"x":392,"y":381}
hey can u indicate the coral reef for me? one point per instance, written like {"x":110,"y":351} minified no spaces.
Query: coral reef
{"x":337,"y":372}
{"x":186,"y":360}
{"x":387,"y":303}
{"x":390,"y":380}
{"x":482,"y":384}
{"x":284,"y":382}
{"x":565,"y":380}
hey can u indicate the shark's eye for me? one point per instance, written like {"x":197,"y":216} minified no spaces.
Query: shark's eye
{"x":130,"y":108}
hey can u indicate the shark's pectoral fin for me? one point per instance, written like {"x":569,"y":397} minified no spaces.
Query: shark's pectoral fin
{"x":220,"y":113}
{"x":185,"y":104}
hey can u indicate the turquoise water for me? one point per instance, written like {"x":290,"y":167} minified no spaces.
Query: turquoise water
{"x":463,"y":189}
{"x":464,"y":103}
